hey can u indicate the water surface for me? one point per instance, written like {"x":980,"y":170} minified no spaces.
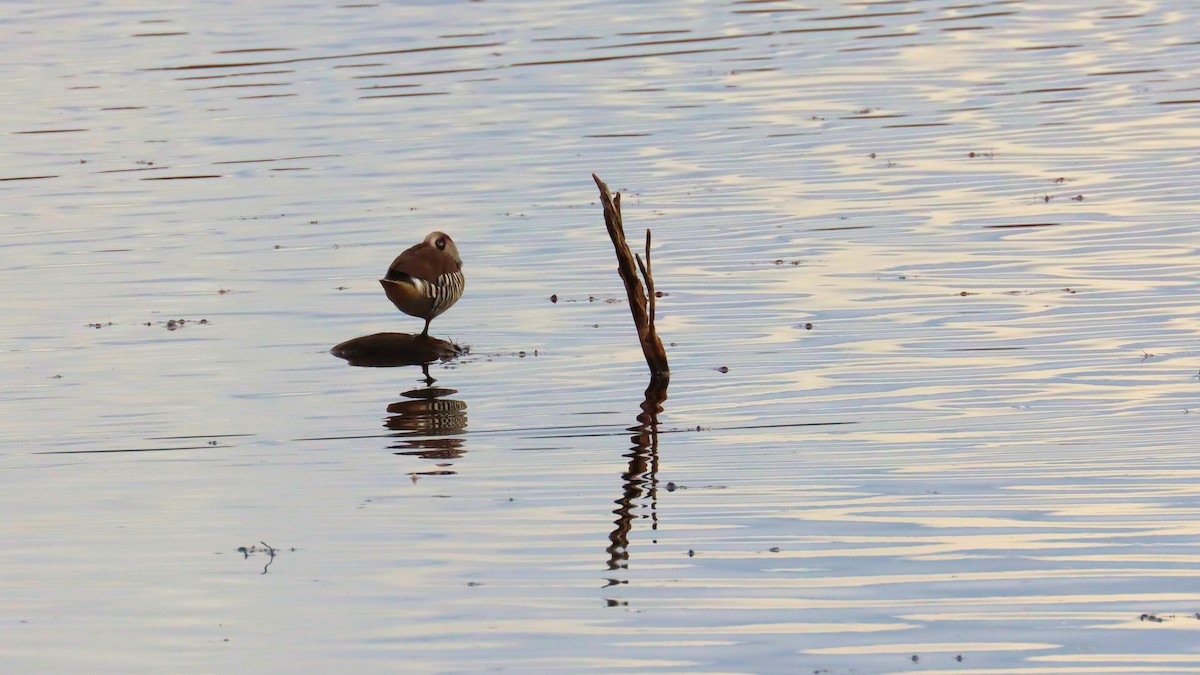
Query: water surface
{"x":930,"y":270}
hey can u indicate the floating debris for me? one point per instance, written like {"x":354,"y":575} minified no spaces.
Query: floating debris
{"x":176,"y":324}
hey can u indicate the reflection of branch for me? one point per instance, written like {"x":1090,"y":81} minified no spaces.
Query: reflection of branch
{"x":271,"y":553}
{"x":641,"y":478}
{"x":641,"y":304}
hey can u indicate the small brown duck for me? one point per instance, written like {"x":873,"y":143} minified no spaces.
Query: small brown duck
{"x":427,"y":279}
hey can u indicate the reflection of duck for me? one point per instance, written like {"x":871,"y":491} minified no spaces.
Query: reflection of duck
{"x":427,"y":423}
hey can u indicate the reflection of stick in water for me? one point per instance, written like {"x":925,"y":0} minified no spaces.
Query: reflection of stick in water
{"x":641,"y":303}
{"x":640,"y":479}
{"x":270,"y":553}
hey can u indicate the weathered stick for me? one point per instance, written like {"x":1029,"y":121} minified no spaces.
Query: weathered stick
{"x":641,"y":303}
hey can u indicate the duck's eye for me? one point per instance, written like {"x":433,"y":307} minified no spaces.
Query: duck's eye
{"x":441,"y":243}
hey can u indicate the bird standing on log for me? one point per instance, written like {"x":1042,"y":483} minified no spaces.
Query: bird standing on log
{"x":427,"y":279}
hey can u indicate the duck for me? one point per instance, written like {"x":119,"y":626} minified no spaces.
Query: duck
{"x":427,"y":279}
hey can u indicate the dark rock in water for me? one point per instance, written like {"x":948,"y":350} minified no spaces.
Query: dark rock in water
{"x":395,"y":349}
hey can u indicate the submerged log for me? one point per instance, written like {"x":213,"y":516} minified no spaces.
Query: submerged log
{"x":641,"y":299}
{"x":395,"y":349}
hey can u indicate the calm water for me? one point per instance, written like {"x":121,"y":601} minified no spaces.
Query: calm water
{"x":946,"y":251}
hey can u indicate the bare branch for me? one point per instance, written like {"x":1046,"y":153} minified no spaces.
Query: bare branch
{"x":641,"y":303}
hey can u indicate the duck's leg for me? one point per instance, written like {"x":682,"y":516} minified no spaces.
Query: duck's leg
{"x":425,"y":333}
